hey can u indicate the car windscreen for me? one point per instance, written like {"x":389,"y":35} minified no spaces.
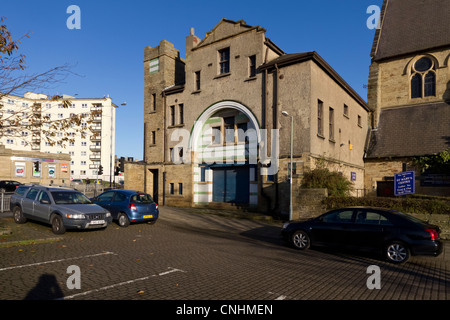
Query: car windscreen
{"x":141,"y":198}
{"x":69,"y":197}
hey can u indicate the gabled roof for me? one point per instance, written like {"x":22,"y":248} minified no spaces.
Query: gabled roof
{"x":411,"y":131}
{"x":293,"y":58}
{"x":410,"y":26}
{"x":227,"y":28}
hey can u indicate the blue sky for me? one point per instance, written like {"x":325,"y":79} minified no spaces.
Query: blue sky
{"x":107,"y":52}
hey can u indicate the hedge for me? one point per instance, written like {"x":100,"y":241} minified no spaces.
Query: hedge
{"x":407,"y":205}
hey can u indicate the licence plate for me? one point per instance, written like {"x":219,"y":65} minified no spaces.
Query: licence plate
{"x":97,"y":222}
{"x":148,"y":216}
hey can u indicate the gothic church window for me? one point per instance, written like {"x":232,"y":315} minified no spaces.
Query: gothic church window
{"x":423,"y":79}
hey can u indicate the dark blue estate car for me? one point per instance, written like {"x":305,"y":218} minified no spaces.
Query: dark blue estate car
{"x":397,"y":234}
{"x":128,"y":206}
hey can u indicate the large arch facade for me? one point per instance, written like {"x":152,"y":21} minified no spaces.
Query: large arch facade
{"x":224,"y":145}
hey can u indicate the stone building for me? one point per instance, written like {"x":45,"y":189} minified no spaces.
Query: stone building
{"x":214,"y":132}
{"x":19,"y":165}
{"x":409,"y":92}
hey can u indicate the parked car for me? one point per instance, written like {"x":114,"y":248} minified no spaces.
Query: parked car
{"x":61,"y":207}
{"x":9,"y":185}
{"x":397,"y":234}
{"x":128,"y":206}
{"x":76,"y":182}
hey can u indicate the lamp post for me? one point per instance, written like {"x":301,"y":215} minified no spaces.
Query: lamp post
{"x":284,"y":113}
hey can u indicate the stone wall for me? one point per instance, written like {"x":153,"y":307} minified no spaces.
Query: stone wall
{"x":134,"y":176}
{"x":308,"y":203}
{"x":18,"y":165}
{"x":378,"y":169}
{"x":389,"y":81}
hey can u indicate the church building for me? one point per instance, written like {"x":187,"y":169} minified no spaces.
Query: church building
{"x":217,"y":123}
{"x":409,"y":92}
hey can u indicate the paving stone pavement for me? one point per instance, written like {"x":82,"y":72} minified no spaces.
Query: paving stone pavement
{"x":198,"y":255}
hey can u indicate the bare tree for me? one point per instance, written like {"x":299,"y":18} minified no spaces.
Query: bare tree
{"x":30,"y":119}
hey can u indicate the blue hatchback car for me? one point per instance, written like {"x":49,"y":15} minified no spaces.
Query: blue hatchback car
{"x":128,"y":206}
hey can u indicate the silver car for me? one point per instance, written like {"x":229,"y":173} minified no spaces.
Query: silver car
{"x":61,"y":207}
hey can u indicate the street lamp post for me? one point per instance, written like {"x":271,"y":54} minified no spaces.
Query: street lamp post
{"x":284,"y":113}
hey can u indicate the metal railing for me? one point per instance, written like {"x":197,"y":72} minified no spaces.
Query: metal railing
{"x":4,"y":201}
{"x":90,"y":190}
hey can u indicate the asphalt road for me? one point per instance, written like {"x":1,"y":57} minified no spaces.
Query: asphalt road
{"x":188,"y":255}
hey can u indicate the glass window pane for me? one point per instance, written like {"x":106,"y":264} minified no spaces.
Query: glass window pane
{"x":372,"y":218}
{"x":241,"y":129}
{"x":430,"y":84}
{"x":339,"y":217}
{"x":216,"y":135}
{"x":416,"y":86}
{"x":423,"y":64}
{"x":119,"y":197}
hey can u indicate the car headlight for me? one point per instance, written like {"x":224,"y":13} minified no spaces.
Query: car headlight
{"x":108,"y":214}
{"x":285,"y":225}
{"x":75,"y":216}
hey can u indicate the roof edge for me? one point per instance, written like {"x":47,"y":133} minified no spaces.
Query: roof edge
{"x":284,"y":61}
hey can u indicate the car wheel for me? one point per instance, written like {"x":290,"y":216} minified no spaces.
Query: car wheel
{"x":57,"y":224}
{"x":19,"y":218}
{"x":123,"y":220}
{"x":397,"y":252}
{"x":300,"y":240}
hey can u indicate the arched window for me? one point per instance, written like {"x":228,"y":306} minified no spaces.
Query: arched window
{"x":423,"y":78}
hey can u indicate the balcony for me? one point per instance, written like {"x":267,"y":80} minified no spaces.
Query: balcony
{"x":95,"y":137}
{"x":95,"y":147}
{"x":96,"y":128}
{"x":95,"y":156}
{"x":94,"y":166}
{"x":96,"y":107}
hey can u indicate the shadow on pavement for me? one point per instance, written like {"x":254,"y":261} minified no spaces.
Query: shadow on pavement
{"x":47,"y":288}
{"x":270,"y":234}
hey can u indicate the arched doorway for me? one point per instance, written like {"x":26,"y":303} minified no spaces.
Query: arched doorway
{"x":224,"y":143}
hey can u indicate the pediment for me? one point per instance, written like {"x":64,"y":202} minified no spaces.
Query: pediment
{"x":225,"y":29}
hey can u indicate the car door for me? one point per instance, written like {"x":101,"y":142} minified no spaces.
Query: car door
{"x":42,"y":206}
{"x":104,"y":200}
{"x":119,"y":203}
{"x":333,"y":227}
{"x":28,"y":202}
{"x":370,"y":228}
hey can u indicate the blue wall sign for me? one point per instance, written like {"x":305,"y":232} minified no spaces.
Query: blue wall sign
{"x":404,"y":183}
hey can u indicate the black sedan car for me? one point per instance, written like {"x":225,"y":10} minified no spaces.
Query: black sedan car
{"x":9,"y":185}
{"x":397,"y":234}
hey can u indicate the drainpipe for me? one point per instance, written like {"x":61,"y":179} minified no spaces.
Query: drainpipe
{"x":164,"y":126}
{"x":264,"y":126}
{"x":275,"y":126}
{"x":164,"y":150}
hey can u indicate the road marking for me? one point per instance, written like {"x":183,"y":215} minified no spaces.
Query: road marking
{"x":121,"y":284}
{"x":55,"y":261}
